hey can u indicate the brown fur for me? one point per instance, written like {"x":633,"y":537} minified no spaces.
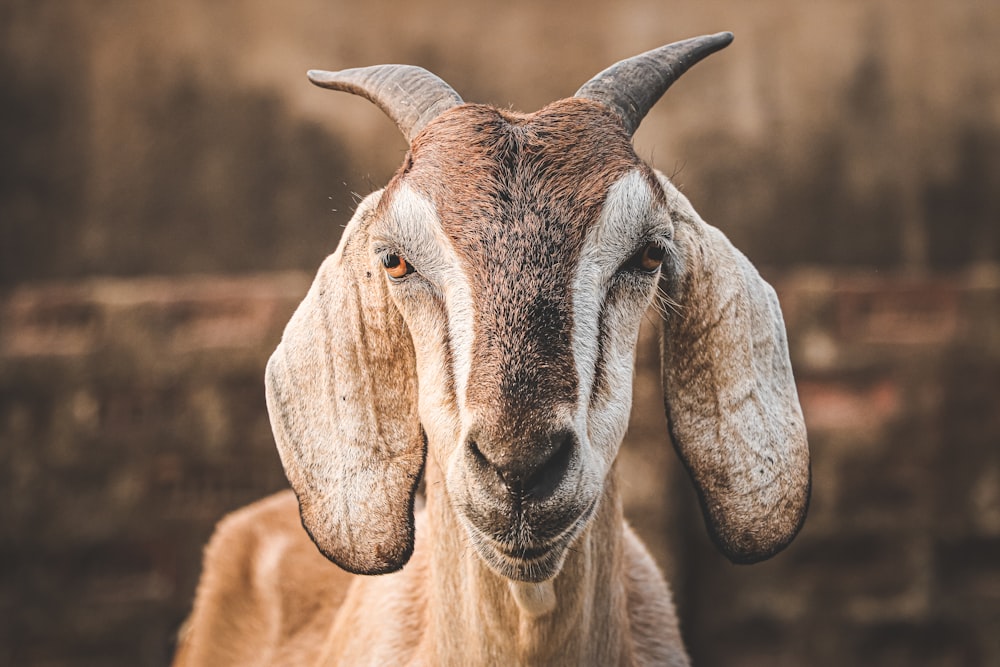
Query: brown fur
{"x":517,"y":207}
{"x":269,"y":598}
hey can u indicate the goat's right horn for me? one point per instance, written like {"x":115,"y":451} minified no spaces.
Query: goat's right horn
{"x":411,"y":96}
{"x":631,"y":87}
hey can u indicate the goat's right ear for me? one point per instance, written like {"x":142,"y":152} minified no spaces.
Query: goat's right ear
{"x":342,"y":397}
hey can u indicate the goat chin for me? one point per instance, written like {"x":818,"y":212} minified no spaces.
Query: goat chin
{"x":476,"y":329}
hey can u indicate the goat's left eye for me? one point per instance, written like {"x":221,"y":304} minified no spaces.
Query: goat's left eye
{"x":648,"y":258}
{"x":396,"y":266}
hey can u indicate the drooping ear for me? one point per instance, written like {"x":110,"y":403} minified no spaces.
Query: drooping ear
{"x":730,"y":396}
{"x":342,"y":397}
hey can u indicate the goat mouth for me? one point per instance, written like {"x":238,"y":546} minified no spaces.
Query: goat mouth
{"x":527,"y":561}
{"x":524,"y":563}
{"x":525,"y":553}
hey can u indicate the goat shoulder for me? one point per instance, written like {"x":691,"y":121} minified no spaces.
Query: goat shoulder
{"x":266,"y":595}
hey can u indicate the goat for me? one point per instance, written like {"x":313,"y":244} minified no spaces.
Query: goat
{"x":476,"y":328}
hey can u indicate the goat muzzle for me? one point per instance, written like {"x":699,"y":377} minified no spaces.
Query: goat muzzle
{"x":531,"y":469}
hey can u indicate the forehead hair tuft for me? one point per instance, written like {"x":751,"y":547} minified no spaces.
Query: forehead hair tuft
{"x":483,"y":166}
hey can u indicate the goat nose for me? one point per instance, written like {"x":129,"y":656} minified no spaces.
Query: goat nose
{"x":532,"y":468}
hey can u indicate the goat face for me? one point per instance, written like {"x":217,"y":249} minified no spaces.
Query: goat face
{"x":526,"y":285}
{"x":488,"y":302}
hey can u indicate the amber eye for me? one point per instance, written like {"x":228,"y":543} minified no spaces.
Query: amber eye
{"x":396,"y":266}
{"x":648,"y":258}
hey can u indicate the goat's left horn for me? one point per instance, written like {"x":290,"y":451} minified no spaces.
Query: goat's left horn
{"x":631,"y":87}
{"x":411,"y":96}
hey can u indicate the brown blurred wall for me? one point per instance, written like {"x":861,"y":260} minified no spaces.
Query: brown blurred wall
{"x":169,"y":181}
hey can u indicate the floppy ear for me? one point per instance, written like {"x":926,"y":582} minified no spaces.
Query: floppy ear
{"x":342,"y":396}
{"x":730,"y":396}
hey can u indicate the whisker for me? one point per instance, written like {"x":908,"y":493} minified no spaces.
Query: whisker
{"x":663,"y":301}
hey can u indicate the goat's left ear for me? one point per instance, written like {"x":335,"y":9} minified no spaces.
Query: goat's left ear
{"x":730,"y":396}
{"x":342,"y":396}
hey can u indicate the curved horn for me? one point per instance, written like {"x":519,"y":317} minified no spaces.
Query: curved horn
{"x":411,"y":96}
{"x":631,"y":87}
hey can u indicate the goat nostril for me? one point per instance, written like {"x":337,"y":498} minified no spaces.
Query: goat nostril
{"x":484,"y":463}
{"x":476,"y":453}
{"x":544,"y":479}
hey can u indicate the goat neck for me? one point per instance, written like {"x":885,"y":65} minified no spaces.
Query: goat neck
{"x":472,"y":609}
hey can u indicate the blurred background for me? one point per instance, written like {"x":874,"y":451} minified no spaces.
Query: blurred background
{"x":169,"y":182}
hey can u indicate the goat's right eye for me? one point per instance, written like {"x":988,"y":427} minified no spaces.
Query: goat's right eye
{"x":396,"y":266}
{"x":648,"y":258}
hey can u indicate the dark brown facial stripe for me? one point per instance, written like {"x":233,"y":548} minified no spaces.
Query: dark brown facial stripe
{"x":449,"y":353}
{"x":516,"y":195}
{"x":601,"y":388}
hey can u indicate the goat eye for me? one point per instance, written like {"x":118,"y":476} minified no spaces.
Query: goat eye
{"x":396,"y":266}
{"x":648,"y":258}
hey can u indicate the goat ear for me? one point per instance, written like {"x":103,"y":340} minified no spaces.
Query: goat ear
{"x":730,"y":396}
{"x":342,"y":396}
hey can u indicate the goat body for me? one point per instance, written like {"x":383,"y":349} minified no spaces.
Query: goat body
{"x":268,"y":597}
{"x":476,"y":328}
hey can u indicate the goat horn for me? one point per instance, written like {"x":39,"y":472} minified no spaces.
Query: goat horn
{"x":631,"y":87}
{"x":411,"y":96}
